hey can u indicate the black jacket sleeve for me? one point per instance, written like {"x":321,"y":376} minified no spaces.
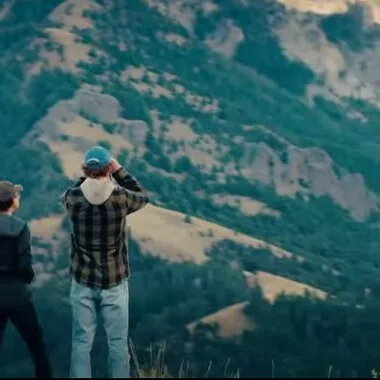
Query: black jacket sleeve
{"x":24,"y":255}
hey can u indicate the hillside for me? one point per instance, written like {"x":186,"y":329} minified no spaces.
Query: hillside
{"x":191,"y":241}
{"x":232,"y":320}
{"x":253,"y":126}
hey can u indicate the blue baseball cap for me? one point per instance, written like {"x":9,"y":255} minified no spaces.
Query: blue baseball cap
{"x":97,"y":157}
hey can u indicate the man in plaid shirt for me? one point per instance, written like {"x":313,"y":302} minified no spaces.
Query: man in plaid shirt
{"x":97,"y":206}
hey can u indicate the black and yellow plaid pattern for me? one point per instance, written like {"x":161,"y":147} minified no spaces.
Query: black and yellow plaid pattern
{"x":99,"y":251}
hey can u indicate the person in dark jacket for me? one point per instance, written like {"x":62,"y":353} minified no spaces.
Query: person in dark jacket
{"x":16,"y":272}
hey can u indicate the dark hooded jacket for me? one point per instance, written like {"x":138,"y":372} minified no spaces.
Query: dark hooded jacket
{"x":16,"y":270}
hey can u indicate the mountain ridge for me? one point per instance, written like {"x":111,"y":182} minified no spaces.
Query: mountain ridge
{"x":252,"y":125}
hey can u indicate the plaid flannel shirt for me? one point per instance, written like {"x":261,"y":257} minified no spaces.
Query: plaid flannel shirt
{"x":99,"y":251}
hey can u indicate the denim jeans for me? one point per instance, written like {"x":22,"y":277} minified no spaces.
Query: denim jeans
{"x":113,"y":305}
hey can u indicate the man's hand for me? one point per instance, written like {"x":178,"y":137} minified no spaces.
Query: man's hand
{"x":115,"y":166}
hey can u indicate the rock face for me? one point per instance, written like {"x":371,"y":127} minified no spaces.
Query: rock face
{"x":225,"y":39}
{"x":341,"y":72}
{"x":308,"y":171}
{"x":95,"y":107}
{"x":101,"y":107}
{"x":133,"y":130}
{"x":73,"y":126}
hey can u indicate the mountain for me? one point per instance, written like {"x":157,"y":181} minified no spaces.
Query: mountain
{"x":254,"y":127}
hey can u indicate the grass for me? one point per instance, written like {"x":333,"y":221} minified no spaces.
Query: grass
{"x":157,"y":369}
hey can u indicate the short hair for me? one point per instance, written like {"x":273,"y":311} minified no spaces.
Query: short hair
{"x":96,"y":173}
{"x":6,"y":205}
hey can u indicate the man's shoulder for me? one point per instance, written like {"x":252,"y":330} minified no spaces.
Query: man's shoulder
{"x":18,"y":220}
{"x":20,"y":224}
{"x":75,"y":185}
{"x":74,"y":191}
{"x":12,"y":225}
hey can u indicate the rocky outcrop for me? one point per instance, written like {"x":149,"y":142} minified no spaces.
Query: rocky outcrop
{"x":103,"y":108}
{"x":341,"y":73}
{"x":308,"y":171}
{"x":90,"y":117}
{"x":225,"y":39}
{"x":95,"y":107}
{"x":132,"y":130}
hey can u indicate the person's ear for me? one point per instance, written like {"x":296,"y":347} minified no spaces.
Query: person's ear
{"x":15,"y":204}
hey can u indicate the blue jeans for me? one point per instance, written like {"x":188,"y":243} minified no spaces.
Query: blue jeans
{"x":112,"y":304}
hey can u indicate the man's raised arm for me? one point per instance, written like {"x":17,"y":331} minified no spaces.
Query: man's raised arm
{"x":136,"y":196}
